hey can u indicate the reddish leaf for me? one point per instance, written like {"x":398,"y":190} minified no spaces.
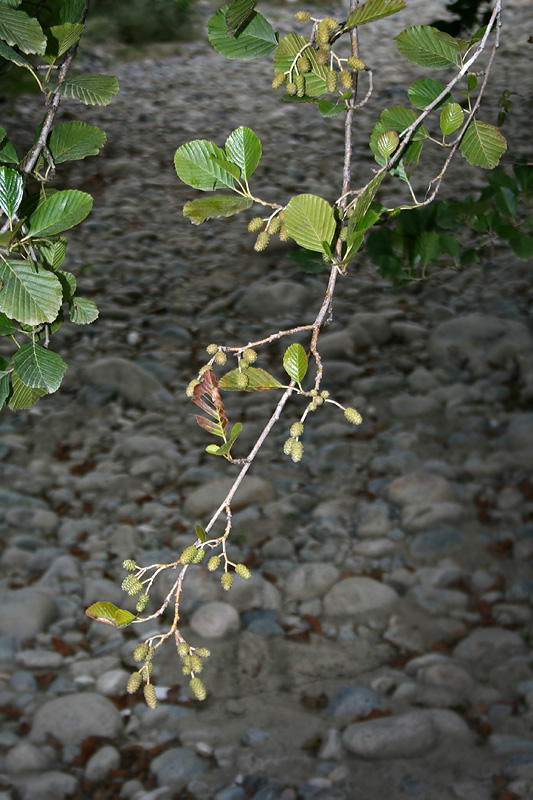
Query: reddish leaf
{"x":61,"y":646}
{"x":314,"y":622}
{"x":207,"y":397}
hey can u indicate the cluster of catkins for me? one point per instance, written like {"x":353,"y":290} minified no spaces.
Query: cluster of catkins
{"x":132,"y":585}
{"x":294,"y":80}
{"x":293,"y":446}
{"x":268,"y":228}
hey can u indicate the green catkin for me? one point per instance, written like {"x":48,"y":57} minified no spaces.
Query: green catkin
{"x":226,"y":580}
{"x":283,"y":234}
{"x":343,"y":234}
{"x":292,"y":88}
{"x":150,"y":654}
{"x":302,"y":16}
{"x":243,"y":572}
{"x":297,"y":451}
{"x":149,"y":695}
{"x":303,"y":64}
{"x":139,"y":654}
{"x":183,"y":649}
{"x":273,"y":227}
{"x":356,"y":63}
{"x":296,"y":429}
{"x":188,"y":554}
{"x":322,"y":57}
{"x":287,"y":447}
{"x":221,"y":358}
{"x":353,"y":416}
{"x":197,"y":688}
{"x":142,"y":602}
{"x":203,"y":652}
{"x":299,"y":80}
{"x":131,"y":585}
{"x":199,"y":556}
{"x":255,"y":224}
{"x":189,"y":391}
{"x":331,"y":23}
{"x":196,"y":663}
{"x":322,"y":33}
{"x":213,"y":563}
{"x":134,"y":682}
{"x":129,"y":565}
{"x":279,"y":80}
{"x":331,"y":80}
{"x":212,"y":349}
{"x":250,"y":355}
{"x":261,"y":242}
{"x":324,"y":393}
{"x":345,"y":79}
{"x":241,"y":381}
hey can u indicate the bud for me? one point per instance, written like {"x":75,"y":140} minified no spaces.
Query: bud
{"x":129,"y":565}
{"x":139,"y":654}
{"x":243,"y":572}
{"x":353,"y":416}
{"x":356,"y":63}
{"x":149,"y":695}
{"x":188,"y":554}
{"x":134,"y":682}
{"x":278,"y":81}
{"x":263,"y":239}
{"x":296,"y":429}
{"x":297,"y":451}
{"x":255,"y":224}
{"x":250,"y":355}
{"x":226,"y":581}
{"x":221,"y":358}
{"x":213,"y":563}
{"x":197,"y":688}
{"x":302,"y":16}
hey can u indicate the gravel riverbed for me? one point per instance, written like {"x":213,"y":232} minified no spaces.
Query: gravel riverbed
{"x":381,"y":648}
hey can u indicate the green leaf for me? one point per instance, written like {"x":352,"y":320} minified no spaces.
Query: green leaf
{"x":68,"y":283}
{"x":308,"y":262}
{"x":10,"y":191}
{"x":109,"y":614}
{"x":39,"y":368}
{"x":237,"y":14}
{"x":72,"y":11}
{"x":5,"y":380}
{"x":482,"y":144}
{"x":11,"y":55}
{"x":22,"y":396}
{"x":423,"y":92}
{"x":449,"y":244}
{"x":92,"y":90}
{"x":200,"y":533}
{"x":310,"y":220}
{"x":329,"y":109}
{"x":353,"y":245}
{"x":70,"y":141}
{"x":195,"y":166}
{"x":472,"y":82}
{"x":27,"y":295}
{"x":522,"y":245}
{"x":506,"y":201}
{"x":451,"y":118}
{"x":8,"y":154}
{"x":243,"y":147}
{"x":220,"y":205}
{"x":82,"y":311}
{"x":258,"y":380}
{"x":7,"y":325}
{"x":387,"y":142}
{"x":60,"y":212}
{"x":227,"y":166}
{"x":17,"y":28}
{"x":255,"y":38}
{"x":363,"y":203}
{"x":288,"y":49}
{"x":427,"y":247}
{"x":399,"y":118}
{"x":224,"y":449}
{"x":61,"y":38}
{"x":469,"y":256}
{"x":373,"y":10}
{"x":295,"y":362}
{"x":53,"y":253}
{"x":428,"y":47}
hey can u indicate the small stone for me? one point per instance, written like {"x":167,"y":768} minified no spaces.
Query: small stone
{"x":358,"y":701}
{"x":439,"y":601}
{"x":39,"y":659}
{"x":478,"y":644}
{"x":421,"y":516}
{"x":25,"y":757}
{"x":215,"y":620}
{"x":420,"y":487}
{"x":253,"y":736}
{"x":310,"y":580}
{"x":112,"y":683}
{"x":73,"y":718}
{"x":437,"y":541}
{"x":26,"y":612}
{"x":101,"y":762}
{"x":407,"y":736}
{"x":175,"y":767}
{"x":358,"y":596}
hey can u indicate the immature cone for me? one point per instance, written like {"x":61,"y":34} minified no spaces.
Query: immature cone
{"x":188,"y":554}
{"x":203,"y":652}
{"x":297,"y":451}
{"x":196,"y":663}
{"x":243,"y":572}
{"x":250,"y":355}
{"x":296,"y":429}
{"x":322,"y":56}
{"x":287,"y":447}
{"x":331,"y":80}
{"x":283,"y":235}
{"x":189,"y":391}
{"x":129,"y":565}
{"x":273,"y":226}
{"x":302,"y":16}
{"x":303,"y":64}
{"x":142,"y":602}
{"x":213,"y":563}
{"x":149,"y":695}
{"x":279,"y":80}
{"x":221,"y":358}
{"x":353,"y":416}
{"x":183,"y":649}
{"x":140,"y":652}
{"x":292,"y":88}
{"x":299,"y":80}
{"x":197,"y":688}
{"x":261,"y":242}
{"x":134,"y":682}
{"x":198,"y":556}
{"x":345,"y":78}
{"x":331,"y":23}
{"x":226,"y":581}
{"x":322,"y":33}
{"x":242,"y":380}
{"x":356,"y":63}
{"x":255,"y":224}
{"x":212,"y":349}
